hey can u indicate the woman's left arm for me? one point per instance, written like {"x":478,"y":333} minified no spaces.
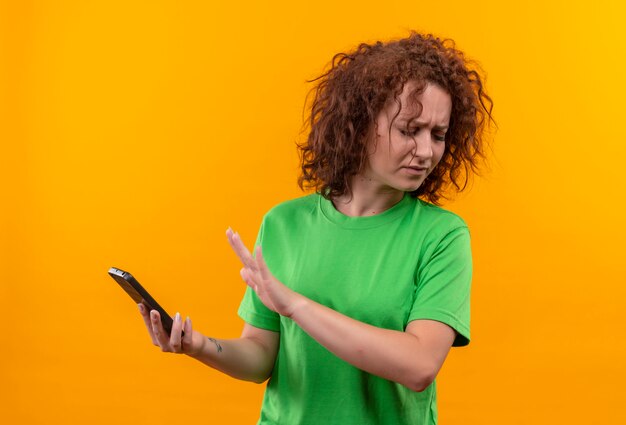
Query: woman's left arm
{"x":412,"y":358}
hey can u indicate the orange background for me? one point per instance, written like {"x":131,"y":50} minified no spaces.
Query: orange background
{"x":134,"y":133}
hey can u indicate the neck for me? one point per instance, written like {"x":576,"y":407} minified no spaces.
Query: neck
{"x":366,"y":199}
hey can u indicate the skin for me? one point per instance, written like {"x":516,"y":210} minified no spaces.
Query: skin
{"x":384,"y":179}
{"x":249,"y":357}
{"x":413,"y":357}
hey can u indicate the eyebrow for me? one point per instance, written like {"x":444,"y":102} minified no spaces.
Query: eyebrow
{"x":415,"y":123}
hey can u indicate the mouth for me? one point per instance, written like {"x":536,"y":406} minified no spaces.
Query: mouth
{"x":415,"y":170}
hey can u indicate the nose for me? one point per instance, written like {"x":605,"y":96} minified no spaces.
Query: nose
{"x":423,"y":145}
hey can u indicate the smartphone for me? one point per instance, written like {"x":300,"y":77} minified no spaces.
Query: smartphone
{"x":140,"y":295}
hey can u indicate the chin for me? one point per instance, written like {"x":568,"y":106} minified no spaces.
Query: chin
{"x":404,"y":185}
{"x":410,"y":187}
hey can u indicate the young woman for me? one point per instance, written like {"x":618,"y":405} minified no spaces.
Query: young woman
{"x":357,"y":291}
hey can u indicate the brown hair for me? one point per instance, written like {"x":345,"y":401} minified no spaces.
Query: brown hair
{"x":348,"y":98}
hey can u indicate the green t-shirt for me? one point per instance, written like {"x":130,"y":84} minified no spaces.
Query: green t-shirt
{"x":413,"y":261}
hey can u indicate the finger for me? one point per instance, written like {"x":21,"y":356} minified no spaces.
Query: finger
{"x":175,"y":335}
{"x":230,"y":234}
{"x":249,"y":279}
{"x":159,"y":333}
{"x":240,"y":249}
{"x":265,"y":271}
{"x":145,"y":315}
{"x":187,"y":338}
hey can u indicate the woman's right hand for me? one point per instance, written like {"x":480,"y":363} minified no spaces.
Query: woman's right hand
{"x":191,"y":343}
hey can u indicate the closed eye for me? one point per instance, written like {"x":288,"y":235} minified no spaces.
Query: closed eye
{"x":411,"y":132}
{"x":440,"y":137}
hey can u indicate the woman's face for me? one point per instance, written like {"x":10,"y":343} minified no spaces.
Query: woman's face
{"x":407,"y":150}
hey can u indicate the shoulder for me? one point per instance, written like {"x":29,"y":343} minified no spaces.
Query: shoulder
{"x":439,"y":219}
{"x":290,"y":217}
{"x":293,"y":208}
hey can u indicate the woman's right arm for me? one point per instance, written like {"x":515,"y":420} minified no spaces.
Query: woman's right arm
{"x":250,"y":357}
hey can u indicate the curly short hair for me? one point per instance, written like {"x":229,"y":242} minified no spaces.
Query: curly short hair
{"x":349,"y":96}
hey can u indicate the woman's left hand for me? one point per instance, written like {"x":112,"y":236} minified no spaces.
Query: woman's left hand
{"x":275,"y":295}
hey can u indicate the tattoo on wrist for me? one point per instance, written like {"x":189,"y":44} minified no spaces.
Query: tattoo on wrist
{"x":217,"y":344}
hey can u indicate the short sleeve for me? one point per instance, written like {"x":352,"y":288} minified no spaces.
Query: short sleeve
{"x":443,"y":285}
{"x":251,"y":309}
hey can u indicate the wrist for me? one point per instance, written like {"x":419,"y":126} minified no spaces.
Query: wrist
{"x":198,"y":351}
{"x":299,"y":307}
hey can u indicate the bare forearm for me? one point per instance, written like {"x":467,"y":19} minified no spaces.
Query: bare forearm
{"x":411,"y":358}
{"x":393,"y":355}
{"x":242,"y":358}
